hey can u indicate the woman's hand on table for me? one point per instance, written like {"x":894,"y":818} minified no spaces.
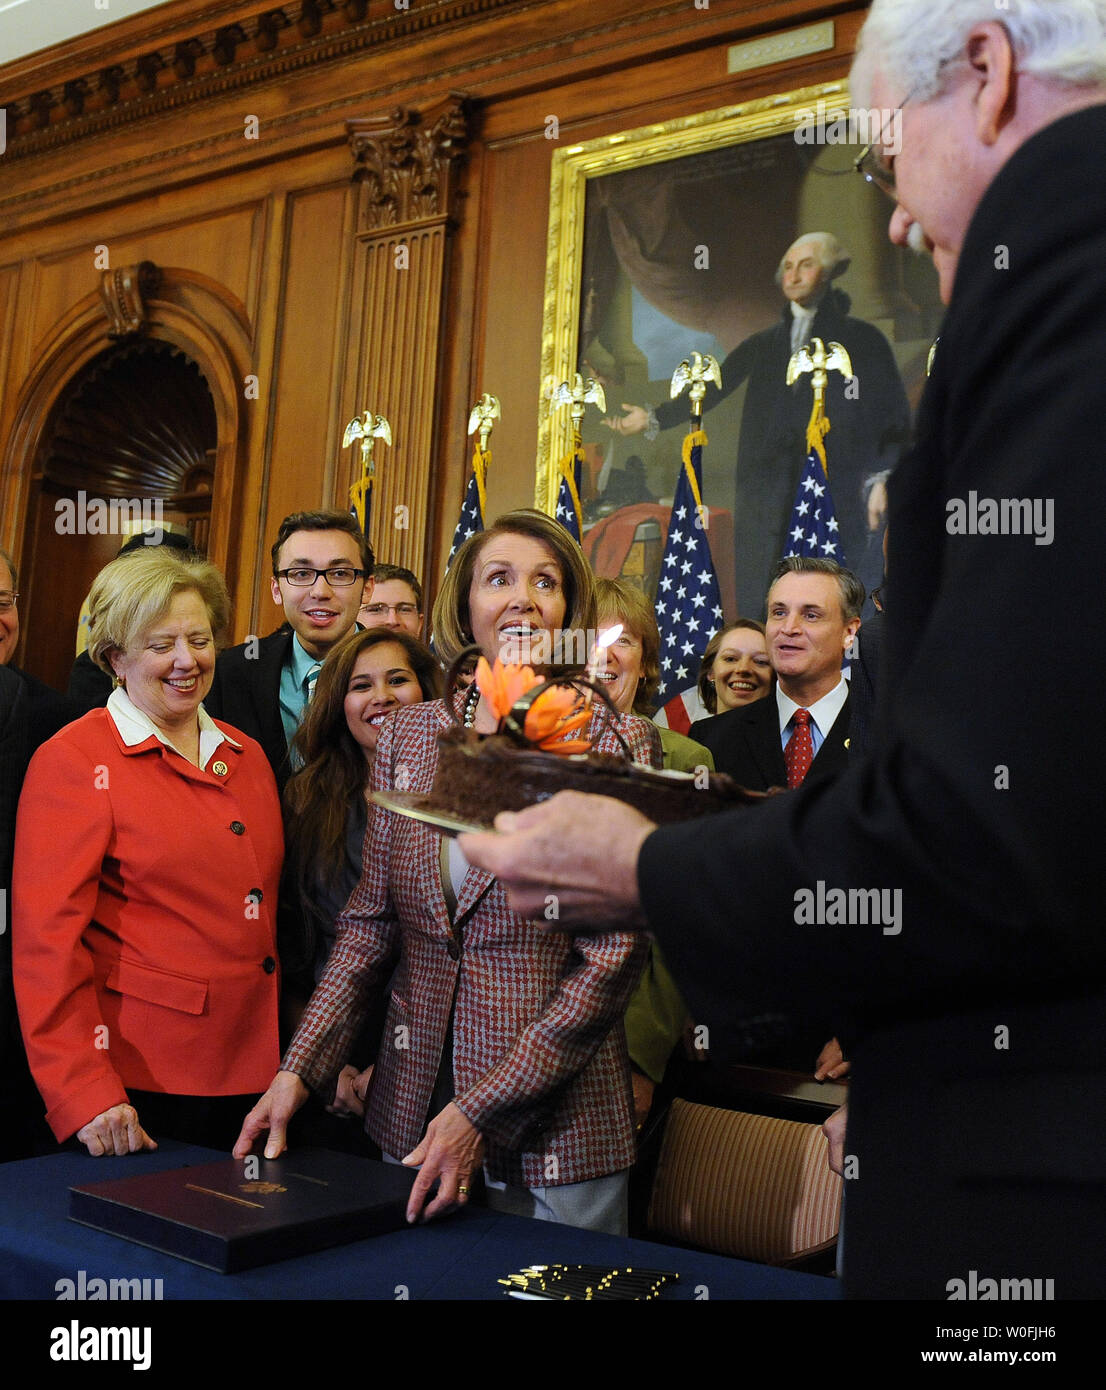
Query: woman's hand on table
{"x":272,"y":1112}
{"x":116,"y":1131}
{"x":451,"y":1151}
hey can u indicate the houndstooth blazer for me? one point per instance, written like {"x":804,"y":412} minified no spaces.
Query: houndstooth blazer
{"x":539,"y":1053}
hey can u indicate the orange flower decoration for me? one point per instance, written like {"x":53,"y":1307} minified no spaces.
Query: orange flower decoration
{"x":503,"y":686}
{"x":554,"y":714}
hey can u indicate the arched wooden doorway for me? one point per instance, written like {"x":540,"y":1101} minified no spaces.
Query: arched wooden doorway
{"x":131,"y":440}
{"x":138,"y":409}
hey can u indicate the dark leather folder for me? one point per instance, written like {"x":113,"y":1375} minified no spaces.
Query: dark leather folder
{"x":228,"y":1217}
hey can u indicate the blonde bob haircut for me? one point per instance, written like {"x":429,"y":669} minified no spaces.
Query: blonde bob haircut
{"x":135,"y":591}
{"x":620,"y":601}
{"x":450,"y":623}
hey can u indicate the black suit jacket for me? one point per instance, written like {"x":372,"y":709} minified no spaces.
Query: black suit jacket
{"x":978,"y":1106}
{"x":245,"y":692}
{"x":88,"y":685}
{"x":863,"y":684}
{"x":14,"y":753}
{"x":746,"y":745}
{"x":46,"y":710}
{"x":22,"y":1129}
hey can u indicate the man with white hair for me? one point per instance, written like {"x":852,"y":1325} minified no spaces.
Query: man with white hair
{"x":870,"y":418}
{"x":975,"y":1155}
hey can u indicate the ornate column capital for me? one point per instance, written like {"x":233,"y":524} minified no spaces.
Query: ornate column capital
{"x":409,"y":161}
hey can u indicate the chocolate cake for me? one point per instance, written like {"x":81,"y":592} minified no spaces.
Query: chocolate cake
{"x":480,"y":775}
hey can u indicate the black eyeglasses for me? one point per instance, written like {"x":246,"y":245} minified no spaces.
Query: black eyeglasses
{"x":873,"y":165}
{"x":380,"y":610}
{"x":339,"y":577}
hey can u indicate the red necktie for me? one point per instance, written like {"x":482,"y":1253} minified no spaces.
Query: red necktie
{"x":799,"y":753}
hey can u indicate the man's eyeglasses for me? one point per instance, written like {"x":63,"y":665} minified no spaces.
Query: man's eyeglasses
{"x":381,"y":610}
{"x":7,"y":600}
{"x":874,"y":166}
{"x":340,"y":577}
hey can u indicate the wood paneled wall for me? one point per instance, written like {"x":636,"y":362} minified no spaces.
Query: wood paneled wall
{"x":214,"y":139}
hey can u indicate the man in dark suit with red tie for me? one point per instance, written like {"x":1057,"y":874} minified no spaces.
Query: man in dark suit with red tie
{"x":800,"y":731}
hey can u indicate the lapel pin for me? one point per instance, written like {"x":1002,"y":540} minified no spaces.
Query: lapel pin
{"x":220,"y":768}
{"x":846,"y":743}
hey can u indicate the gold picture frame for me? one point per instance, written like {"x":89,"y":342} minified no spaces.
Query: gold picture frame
{"x":574,"y":167}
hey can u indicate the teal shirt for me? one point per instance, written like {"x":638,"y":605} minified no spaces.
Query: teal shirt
{"x":292,"y":694}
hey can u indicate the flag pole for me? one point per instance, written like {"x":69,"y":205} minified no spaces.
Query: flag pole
{"x":688,"y":601}
{"x":367,"y":428}
{"x":576,"y":395}
{"x":482,"y":418}
{"x":813,"y":529}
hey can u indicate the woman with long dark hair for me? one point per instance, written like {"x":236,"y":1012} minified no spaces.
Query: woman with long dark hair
{"x":367,"y":676}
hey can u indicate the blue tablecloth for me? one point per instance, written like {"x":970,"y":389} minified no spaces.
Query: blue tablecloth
{"x":460,"y":1257}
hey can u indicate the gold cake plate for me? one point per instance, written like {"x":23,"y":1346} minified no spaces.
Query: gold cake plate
{"x":414,"y":805}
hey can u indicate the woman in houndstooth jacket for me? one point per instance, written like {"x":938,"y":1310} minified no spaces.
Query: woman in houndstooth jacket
{"x":506,"y":1038}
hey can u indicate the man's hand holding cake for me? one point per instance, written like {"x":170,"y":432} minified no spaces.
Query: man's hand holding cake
{"x":582,"y":849}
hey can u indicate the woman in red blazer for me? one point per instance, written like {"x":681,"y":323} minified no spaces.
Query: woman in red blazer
{"x":504,"y":1045}
{"x":147,"y":858}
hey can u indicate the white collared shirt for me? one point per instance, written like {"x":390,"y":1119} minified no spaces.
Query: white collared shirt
{"x":802,"y":324}
{"x":135,"y":727}
{"x":823,"y":713}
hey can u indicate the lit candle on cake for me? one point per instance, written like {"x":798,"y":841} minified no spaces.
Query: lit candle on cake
{"x":602,"y":642}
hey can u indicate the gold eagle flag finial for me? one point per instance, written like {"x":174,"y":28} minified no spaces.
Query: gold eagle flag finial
{"x":695,"y":370}
{"x":576,"y":394}
{"x":482,"y":418}
{"x":367,"y":428}
{"x":818,"y":360}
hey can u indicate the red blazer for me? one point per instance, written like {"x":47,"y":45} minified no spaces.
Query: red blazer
{"x":144,"y":921}
{"x":539,"y":1053}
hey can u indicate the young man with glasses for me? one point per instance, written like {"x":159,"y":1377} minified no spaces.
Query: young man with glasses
{"x":322,"y":571}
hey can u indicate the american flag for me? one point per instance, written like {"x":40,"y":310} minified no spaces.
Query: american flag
{"x":689,"y":605}
{"x":471,"y":519}
{"x":813,"y":528}
{"x":567,"y":513}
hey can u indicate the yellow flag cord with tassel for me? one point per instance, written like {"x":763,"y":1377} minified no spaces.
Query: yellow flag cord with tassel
{"x":696,"y":439}
{"x":816,"y":430}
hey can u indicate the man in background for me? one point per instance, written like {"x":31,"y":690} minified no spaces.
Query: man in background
{"x":395,"y":601}
{"x":801,"y":729}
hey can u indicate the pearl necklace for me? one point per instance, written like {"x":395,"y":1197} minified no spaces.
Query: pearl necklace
{"x":472,"y":699}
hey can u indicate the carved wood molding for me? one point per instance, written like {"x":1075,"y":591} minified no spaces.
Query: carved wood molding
{"x":123,"y":291}
{"x":278,"y":40}
{"x":408,"y":162}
